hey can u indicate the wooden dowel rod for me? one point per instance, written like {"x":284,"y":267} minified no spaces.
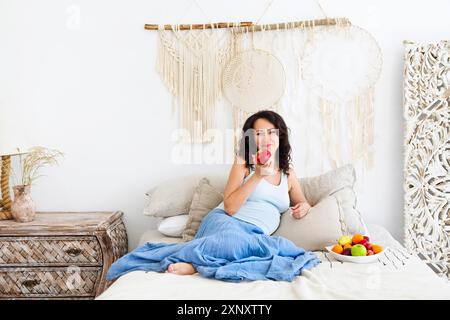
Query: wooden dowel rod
{"x":301,"y":24}
{"x":253,"y":27}
{"x":218,"y":25}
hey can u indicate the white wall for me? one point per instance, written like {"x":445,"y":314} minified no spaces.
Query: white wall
{"x":89,"y":88}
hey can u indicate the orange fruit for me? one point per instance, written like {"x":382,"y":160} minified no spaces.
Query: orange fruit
{"x":348,"y":246}
{"x":376,"y":248}
{"x":357,"y":238}
{"x":338,"y":249}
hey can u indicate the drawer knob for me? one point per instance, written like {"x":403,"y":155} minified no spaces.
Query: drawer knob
{"x":31,"y":283}
{"x":73,"y":252}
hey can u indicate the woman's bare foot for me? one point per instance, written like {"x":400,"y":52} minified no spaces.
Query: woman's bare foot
{"x":181,"y":268}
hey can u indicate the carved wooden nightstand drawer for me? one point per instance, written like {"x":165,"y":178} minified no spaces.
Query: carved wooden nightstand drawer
{"x":49,"y":282}
{"x":63,"y":255}
{"x":16,"y":251}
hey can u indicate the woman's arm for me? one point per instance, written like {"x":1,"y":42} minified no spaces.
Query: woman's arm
{"x":235,"y":195}
{"x":299,"y":204}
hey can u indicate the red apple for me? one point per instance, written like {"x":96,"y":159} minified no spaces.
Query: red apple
{"x":263,"y":156}
{"x":363,"y":242}
{"x":366,"y":238}
{"x":347,"y":252}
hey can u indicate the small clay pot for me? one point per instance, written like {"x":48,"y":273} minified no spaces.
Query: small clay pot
{"x":23,"y":208}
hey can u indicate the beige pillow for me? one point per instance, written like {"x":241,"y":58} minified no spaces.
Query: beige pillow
{"x":318,"y":187}
{"x":205,"y":198}
{"x":339,"y":183}
{"x":173,"y":197}
{"x":319,"y":228}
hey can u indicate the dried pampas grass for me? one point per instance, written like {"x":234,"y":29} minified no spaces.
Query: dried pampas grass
{"x":37,"y":158}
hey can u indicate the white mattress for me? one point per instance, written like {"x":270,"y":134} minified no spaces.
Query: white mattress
{"x":396,"y":276}
{"x":153,"y":235}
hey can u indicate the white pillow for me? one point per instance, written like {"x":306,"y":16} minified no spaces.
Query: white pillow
{"x":173,"y":226}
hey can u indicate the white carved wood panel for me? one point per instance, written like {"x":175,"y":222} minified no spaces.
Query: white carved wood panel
{"x":427,"y":153}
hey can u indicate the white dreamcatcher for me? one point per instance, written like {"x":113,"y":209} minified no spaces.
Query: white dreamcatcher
{"x":341,"y":66}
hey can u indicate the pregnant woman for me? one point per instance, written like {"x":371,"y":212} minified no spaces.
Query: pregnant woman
{"x":234,"y":242}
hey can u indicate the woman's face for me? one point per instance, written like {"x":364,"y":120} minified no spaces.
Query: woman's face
{"x":266,"y":135}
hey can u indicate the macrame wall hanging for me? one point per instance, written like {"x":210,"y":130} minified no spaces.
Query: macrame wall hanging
{"x":320,"y":73}
{"x":190,"y":63}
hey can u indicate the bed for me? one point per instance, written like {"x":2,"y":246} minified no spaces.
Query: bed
{"x":396,"y":275}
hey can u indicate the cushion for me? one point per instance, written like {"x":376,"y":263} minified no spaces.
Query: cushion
{"x":173,"y":226}
{"x":339,"y":183}
{"x":318,"y":187}
{"x":319,"y":228}
{"x":180,"y":192}
{"x":205,"y":198}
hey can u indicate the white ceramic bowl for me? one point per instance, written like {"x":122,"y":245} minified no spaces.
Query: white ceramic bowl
{"x":363,"y":259}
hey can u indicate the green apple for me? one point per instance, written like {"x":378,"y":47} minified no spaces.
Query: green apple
{"x":359,"y":250}
{"x":344,"y":240}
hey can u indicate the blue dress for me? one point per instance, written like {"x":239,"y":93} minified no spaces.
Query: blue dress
{"x":229,"y":248}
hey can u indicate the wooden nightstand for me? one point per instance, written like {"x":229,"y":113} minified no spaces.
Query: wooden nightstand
{"x":60,"y":254}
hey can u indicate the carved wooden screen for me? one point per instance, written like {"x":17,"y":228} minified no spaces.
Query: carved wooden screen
{"x":427,"y":153}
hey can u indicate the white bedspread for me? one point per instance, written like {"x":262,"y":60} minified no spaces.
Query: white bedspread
{"x":396,"y":276}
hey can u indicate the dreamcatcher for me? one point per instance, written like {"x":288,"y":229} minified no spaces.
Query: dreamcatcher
{"x":341,"y":66}
{"x":253,"y":80}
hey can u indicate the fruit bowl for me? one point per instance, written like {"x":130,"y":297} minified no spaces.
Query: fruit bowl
{"x":354,"y":259}
{"x":356,"y":249}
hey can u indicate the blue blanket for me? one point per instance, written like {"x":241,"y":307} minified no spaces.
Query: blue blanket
{"x":224,"y":248}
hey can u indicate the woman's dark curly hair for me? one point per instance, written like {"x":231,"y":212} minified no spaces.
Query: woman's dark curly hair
{"x":247,"y":144}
